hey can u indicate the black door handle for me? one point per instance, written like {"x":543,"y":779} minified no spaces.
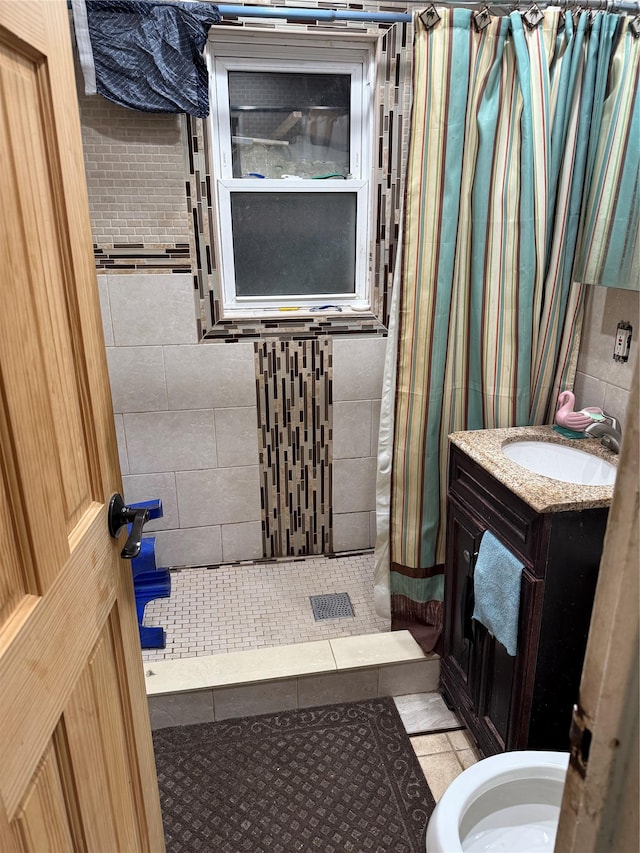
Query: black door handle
{"x":119,"y":516}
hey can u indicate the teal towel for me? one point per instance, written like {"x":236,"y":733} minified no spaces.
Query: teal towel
{"x":496,"y":584}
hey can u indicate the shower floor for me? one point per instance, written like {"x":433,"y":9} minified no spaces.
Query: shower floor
{"x":244,"y":606}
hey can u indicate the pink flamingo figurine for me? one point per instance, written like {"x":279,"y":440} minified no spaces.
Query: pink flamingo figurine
{"x":578,"y":421}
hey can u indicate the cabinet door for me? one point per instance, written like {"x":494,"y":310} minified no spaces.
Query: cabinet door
{"x":463,"y":540}
{"x":505,"y":683}
{"x":491,"y":689}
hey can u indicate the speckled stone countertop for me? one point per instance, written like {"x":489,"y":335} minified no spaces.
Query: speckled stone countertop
{"x":543,"y":494}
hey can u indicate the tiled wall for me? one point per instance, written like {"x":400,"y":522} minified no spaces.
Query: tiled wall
{"x":140,"y":219}
{"x":186,"y":421}
{"x":601,"y":381}
{"x":189,"y":426}
{"x":135,"y":170}
{"x":357,"y":382}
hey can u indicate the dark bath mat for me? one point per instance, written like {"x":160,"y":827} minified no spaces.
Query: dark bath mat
{"x":334,"y":779}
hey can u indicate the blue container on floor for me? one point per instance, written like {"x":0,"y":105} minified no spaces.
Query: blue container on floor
{"x":149,"y":582}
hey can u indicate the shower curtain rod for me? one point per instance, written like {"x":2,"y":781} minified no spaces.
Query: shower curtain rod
{"x":614,"y":6}
{"x":309,"y":14}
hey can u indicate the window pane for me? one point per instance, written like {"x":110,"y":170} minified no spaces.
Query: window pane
{"x":287,"y":244}
{"x":289,"y":124}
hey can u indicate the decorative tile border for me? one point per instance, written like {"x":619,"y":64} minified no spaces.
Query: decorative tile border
{"x":294,"y":392}
{"x":392,"y":105}
{"x":138,"y":257}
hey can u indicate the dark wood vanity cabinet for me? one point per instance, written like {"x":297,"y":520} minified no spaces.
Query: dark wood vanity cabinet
{"x":521,"y":702}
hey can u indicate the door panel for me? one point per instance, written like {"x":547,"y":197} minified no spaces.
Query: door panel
{"x":92,"y":718}
{"x":41,"y":823}
{"x":77,"y":768}
{"x":13,"y":585}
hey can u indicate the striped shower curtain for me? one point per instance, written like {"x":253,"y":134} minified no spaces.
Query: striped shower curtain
{"x":609,"y":251}
{"x":488,"y":317}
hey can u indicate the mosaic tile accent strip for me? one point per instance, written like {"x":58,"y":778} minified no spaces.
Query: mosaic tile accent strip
{"x":138,"y":257}
{"x":294,"y":392}
{"x":201,"y":214}
{"x":393,"y":105}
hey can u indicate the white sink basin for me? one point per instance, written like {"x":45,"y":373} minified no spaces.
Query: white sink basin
{"x":560,"y":462}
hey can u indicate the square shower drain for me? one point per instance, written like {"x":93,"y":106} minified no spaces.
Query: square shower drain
{"x":336,"y":605}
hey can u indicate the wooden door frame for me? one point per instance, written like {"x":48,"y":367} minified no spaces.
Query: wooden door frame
{"x":600,"y":810}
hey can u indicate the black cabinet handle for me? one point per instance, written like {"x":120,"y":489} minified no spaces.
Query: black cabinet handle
{"x":119,"y":516}
{"x":467,"y":602}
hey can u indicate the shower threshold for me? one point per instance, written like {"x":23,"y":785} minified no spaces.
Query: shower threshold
{"x":242,"y":639}
{"x":238,"y":684}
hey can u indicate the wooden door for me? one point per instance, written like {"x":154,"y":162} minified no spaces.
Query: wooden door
{"x":76,"y":761}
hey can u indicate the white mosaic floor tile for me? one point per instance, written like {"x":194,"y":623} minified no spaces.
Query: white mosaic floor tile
{"x":256,"y":605}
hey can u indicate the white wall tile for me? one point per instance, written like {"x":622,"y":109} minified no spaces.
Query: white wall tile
{"x":351,"y":429}
{"x":197,"y":546}
{"x":181,"y":709}
{"x":351,"y":531}
{"x":170,"y":441}
{"x":105,"y":309}
{"x":219,"y":496}
{"x":137,"y":379}
{"x":605,"y":307}
{"x":122,"y":444}
{"x":337,"y":687}
{"x":237,"y":436}
{"x":616,"y":403}
{"x":148,"y":487}
{"x":589,"y":391}
{"x":354,"y":485}
{"x":375,"y":426}
{"x":373,"y":529}
{"x":600,"y":380}
{"x":149,"y":309}
{"x":210,"y":375}
{"x":358,"y":365}
{"x":242,"y":541}
{"x":252,"y":699}
{"x":405,"y":678}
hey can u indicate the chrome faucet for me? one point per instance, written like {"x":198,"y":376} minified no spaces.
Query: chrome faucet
{"x":608,"y":431}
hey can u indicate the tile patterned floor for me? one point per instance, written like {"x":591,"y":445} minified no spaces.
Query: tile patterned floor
{"x":444,"y":747}
{"x":444,"y":756}
{"x":252,"y":605}
{"x":425,"y":712}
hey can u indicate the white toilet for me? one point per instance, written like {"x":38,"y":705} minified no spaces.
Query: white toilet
{"x":508,"y":803}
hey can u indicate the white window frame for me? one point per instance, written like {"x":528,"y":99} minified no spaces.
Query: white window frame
{"x":247,"y":51}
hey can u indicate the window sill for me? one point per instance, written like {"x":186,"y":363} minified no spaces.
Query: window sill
{"x":294,"y":324}
{"x":297,"y":312}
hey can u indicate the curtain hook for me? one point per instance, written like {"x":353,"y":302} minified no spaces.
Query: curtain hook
{"x":634,"y":26}
{"x":533,"y":16}
{"x":481,"y":19}
{"x":429,"y":17}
